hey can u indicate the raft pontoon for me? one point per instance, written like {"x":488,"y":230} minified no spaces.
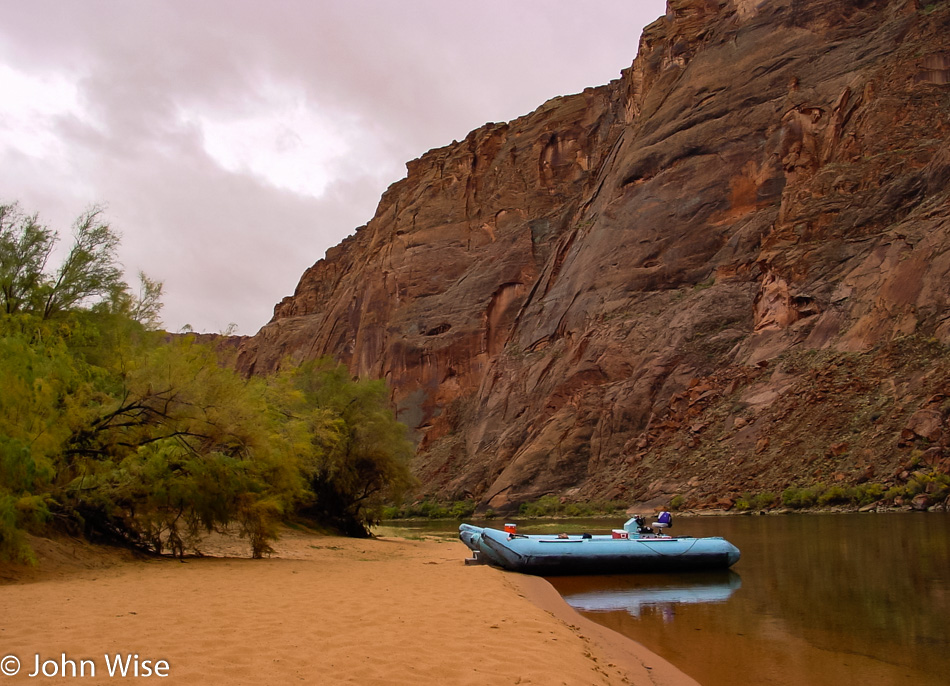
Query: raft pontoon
{"x":625,"y":551}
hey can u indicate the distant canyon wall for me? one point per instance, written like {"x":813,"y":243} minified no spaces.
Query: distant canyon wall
{"x":727,"y":271}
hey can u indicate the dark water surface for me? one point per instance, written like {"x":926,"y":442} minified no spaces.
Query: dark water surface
{"x":816,"y":600}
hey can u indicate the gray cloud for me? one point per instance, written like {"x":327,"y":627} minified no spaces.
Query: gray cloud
{"x":355,"y":89}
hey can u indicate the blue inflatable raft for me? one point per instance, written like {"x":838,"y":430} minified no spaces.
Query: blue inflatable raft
{"x":625,"y":551}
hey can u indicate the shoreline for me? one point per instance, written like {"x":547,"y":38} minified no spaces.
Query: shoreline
{"x":499,"y":520}
{"x":328,"y":609}
{"x":636,"y":660}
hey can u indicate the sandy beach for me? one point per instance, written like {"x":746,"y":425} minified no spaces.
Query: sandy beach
{"x":324,"y":610}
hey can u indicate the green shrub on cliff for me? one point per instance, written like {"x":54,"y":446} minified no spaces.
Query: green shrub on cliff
{"x":430,"y":509}
{"x":551,"y":506}
{"x":545,"y":506}
{"x":757,"y":501}
{"x":796,"y":497}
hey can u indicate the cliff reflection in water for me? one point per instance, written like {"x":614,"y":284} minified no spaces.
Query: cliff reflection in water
{"x":656,"y":593}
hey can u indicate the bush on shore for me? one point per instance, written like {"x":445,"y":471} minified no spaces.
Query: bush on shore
{"x":111,"y":430}
{"x":933,"y":483}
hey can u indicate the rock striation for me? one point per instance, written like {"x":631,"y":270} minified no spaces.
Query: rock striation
{"x":726,"y":272}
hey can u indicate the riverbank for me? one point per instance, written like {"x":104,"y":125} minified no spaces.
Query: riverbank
{"x":648,"y":511}
{"x":323,"y":610}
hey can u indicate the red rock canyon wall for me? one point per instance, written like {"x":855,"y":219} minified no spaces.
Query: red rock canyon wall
{"x":727,"y":271}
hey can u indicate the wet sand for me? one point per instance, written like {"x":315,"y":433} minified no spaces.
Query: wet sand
{"x":325,"y":610}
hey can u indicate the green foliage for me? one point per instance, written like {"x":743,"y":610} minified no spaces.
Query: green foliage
{"x":108,"y":429}
{"x":894,"y":492}
{"x":429,"y":509}
{"x":153,"y":443}
{"x":798,"y":498}
{"x":18,"y":514}
{"x":935,"y":484}
{"x":25,"y":247}
{"x":44,"y":390}
{"x":551,"y":506}
{"x":677,"y":502}
{"x":142,"y":308}
{"x":865,"y":494}
{"x":461,"y":509}
{"x":545,"y":506}
{"x":89,"y":270}
{"x":357,"y":453}
{"x":834,"y":495}
{"x":186,"y":447}
{"x":757,"y":501}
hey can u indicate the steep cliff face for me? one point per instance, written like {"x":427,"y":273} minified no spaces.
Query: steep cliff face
{"x":427,"y":294}
{"x":727,"y":271}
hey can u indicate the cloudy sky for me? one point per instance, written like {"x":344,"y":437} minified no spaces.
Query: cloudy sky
{"x":233,"y":141}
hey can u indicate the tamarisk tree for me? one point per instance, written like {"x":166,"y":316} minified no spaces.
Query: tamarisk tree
{"x":88,"y":272}
{"x":112,"y":429}
{"x":25,"y":247}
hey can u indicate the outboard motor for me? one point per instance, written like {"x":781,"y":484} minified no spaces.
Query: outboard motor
{"x":636,"y":524}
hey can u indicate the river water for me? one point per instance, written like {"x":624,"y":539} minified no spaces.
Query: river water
{"x":816,"y":600}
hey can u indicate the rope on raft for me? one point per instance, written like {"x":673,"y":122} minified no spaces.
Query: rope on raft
{"x":695,"y":541}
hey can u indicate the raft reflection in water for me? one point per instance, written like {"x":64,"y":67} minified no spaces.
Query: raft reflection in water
{"x":652,"y":592}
